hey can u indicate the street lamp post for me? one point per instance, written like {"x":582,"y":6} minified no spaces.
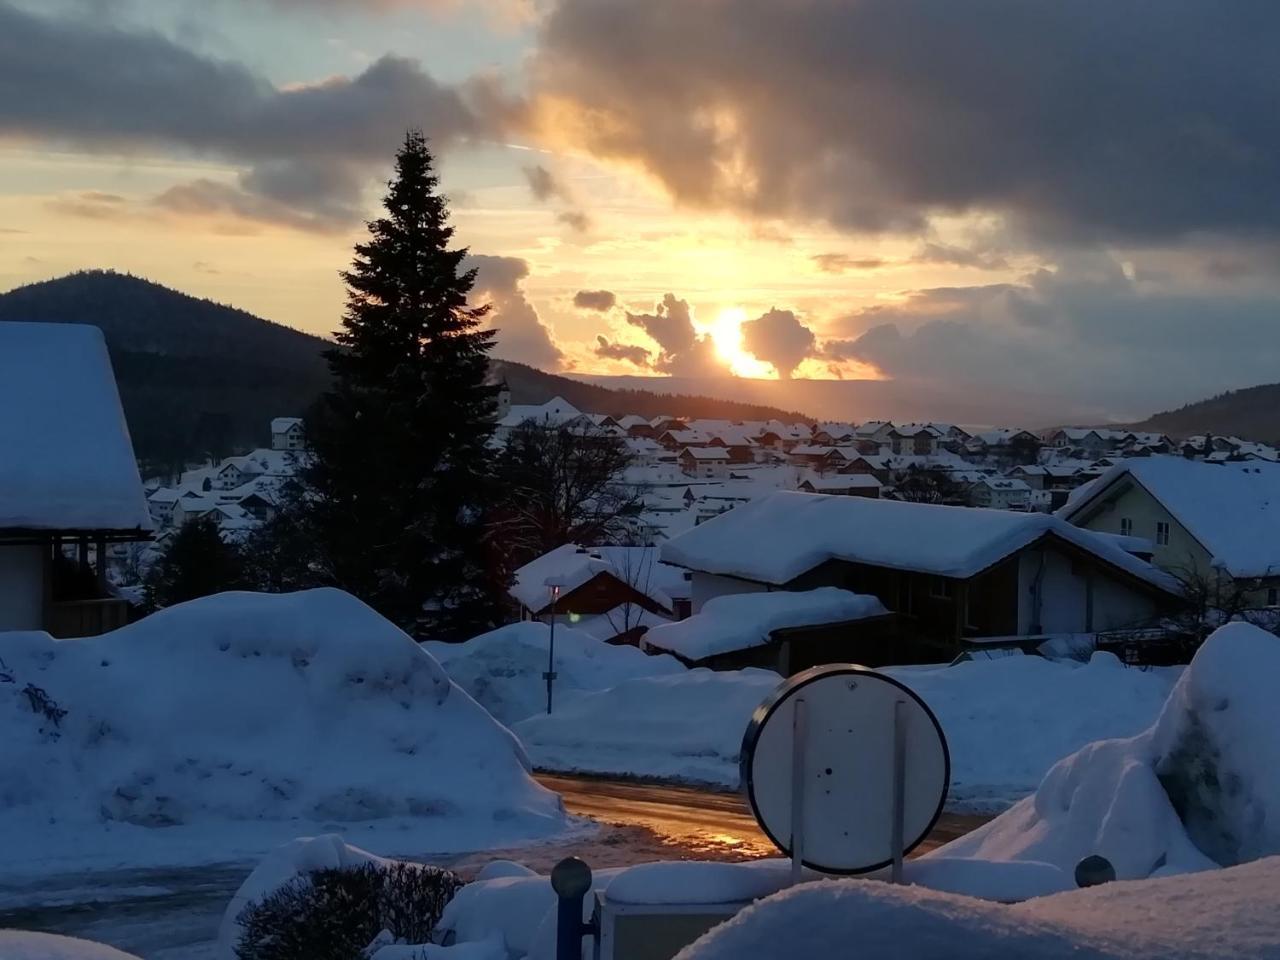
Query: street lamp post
{"x":554,"y":584}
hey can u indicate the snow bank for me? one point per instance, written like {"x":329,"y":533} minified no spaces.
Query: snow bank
{"x":1200,"y":788}
{"x":503,"y":669}
{"x":687,"y":726}
{"x":1223,"y":915}
{"x":24,"y":945}
{"x":1007,"y":722}
{"x":743,"y":620}
{"x":246,"y":710}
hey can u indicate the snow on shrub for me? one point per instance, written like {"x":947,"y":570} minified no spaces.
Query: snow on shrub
{"x":254,"y":707}
{"x":1199,"y":789}
{"x":503,"y":669}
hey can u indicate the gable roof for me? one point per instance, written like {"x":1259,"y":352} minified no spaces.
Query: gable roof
{"x":779,"y":537}
{"x":1232,"y":509}
{"x":66,"y":460}
{"x":573,"y":566}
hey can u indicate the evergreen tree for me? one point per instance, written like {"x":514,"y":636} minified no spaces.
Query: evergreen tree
{"x":400,"y":461}
{"x":196,"y":563}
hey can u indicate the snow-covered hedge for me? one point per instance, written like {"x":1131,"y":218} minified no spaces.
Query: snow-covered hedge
{"x":245,"y":709}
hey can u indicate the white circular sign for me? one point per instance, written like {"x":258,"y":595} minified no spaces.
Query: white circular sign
{"x":847,"y":729}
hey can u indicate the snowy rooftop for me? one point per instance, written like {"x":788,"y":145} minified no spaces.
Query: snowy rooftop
{"x":776,"y":538}
{"x":1232,"y":509}
{"x":67,"y":460}
{"x":739,"y":621}
{"x":571,"y":566}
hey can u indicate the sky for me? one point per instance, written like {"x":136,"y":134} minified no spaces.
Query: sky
{"x":1066,"y":204}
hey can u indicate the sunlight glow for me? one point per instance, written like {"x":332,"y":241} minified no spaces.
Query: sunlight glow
{"x":726,"y":334}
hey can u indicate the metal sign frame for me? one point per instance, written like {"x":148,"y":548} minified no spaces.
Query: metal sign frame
{"x":791,"y":688}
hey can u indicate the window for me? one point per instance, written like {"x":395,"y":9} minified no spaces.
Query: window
{"x":1162,"y":534}
{"x":940,"y":588}
{"x":1273,"y":597}
{"x":1126,"y":527}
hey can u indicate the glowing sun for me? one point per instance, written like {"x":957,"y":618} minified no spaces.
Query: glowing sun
{"x":726,"y":334}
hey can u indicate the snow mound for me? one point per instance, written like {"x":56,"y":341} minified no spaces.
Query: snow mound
{"x":1199,"y":789}
{"x":1224,"y":915}
{"x":244,"y":708}
{"x":503,"y":669}
{"x":25,"y":945}
{"x":687,"y":726}
{"x":739,"y":621}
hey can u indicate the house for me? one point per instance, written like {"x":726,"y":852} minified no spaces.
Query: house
{"x":556,"y":412}
{"x":287,"y":433}
{"x":1205,"y":520}
{"x":627,"y":586}
{"x":69,"y":484}
{"x":918,"y":439}
{"x":843,"y":485}
{"x":786,"y":631}
{"x":953,"y":575}
{"x":1000,"y":493}
{"x":704,"y":461}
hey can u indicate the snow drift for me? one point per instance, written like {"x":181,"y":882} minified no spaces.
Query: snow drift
{"x":1223,"y":915}
{"x":25,"y":945}
{"x":248,"y":708}
{"x":503,"y":669}
{"x":1200,"y":788}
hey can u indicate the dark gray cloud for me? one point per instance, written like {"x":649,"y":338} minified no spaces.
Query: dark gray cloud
{"x":1085,"y":333}
{"x":543,"y":184}
{"x":308,"y":149}
{"x":522,"y":336}
{"x":682,"y":351}
{"x":595,"y":300}
{"x":842,"y":262}
{"x":778,"y":337}
{"x":1078,"y":120}
{"x":621,"y":351}
{"x":575,"y":220}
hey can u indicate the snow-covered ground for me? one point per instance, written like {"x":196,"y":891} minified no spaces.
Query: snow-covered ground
{"x":215,"y":730}
{"x":22,"y":945}
{"x":1007,"y":721}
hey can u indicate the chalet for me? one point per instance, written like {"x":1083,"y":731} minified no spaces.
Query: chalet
{"x":69,"y":485}
{"x":1214,"y":521}
{"x":1000,"y":493}
{"x":704,"y":461}
{"x":556,"y":412}
{"x":843,"y":485}
{"x":287,"y":433}
{"x":916,"y":439}
{"x":953,"y":575}
{"x":627,"y":586}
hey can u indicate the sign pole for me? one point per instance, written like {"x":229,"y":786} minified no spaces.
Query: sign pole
{"x":798,"y":741}
{"x":899,"y":786}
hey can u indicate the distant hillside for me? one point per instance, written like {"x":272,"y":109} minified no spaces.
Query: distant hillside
{"x":198,"y":377}
{"x":1252,"y":413}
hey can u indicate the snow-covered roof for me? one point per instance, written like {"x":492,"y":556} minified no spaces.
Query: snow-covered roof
{"x":555,"y":411}
{"x":778,"y":537}
{"x":843,"y":481}
{"x":66,"y":460}
{"x":571,"y":566}
{"x":285,"y":424}
{"x":706,"y":453}
{"x":1232,"y":509}
{"x":739,"y":621}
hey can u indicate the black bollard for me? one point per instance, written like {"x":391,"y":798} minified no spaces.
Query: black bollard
{"x":571,"y":880}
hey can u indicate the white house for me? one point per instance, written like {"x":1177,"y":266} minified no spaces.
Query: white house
{"x":952,"y":574}
{"x":1000,"y":493}
{"x":287,"y":433}
{"x":69,"y":484}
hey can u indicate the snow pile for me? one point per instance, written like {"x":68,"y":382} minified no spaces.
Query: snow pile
{"x":246,"y":710}
{"x":743,"y":620}
{"x":24,"y":945}
{"x":1223,"y":915}
{"x":1007,"y":721}
{"x":1200,"y":788}
{"x":687,"y":726}
{"x":503,"y":669}
{"x":67,"y":459}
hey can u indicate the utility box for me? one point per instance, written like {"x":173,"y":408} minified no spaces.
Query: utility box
{"x":633,"y":931}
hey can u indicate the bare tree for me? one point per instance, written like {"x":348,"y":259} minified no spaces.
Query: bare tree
{"x":918,"y":484}
{"x":561,"y":484}
{"x":1213,"y":598}
{"x":634,"y":566}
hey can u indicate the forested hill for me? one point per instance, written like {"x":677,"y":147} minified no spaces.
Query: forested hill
{"x":1252,"y":413}
{"x":200,"y":378}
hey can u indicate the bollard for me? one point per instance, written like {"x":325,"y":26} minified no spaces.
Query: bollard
{"x":571,"y":880}
{"x":1094,"y":871}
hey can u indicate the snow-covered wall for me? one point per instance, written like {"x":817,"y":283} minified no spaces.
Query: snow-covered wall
{"x":708,"y":586}
{"x":21,"y":587}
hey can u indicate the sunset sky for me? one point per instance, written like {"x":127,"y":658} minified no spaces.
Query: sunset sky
{"x":1077,"y":200}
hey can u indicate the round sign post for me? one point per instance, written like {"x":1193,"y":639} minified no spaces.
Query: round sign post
{"x":846,"y":770}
